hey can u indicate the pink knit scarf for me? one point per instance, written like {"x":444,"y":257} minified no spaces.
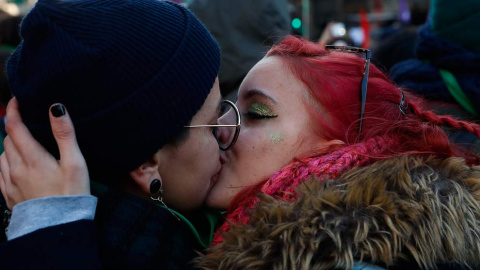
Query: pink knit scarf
{"x":282,"y":184}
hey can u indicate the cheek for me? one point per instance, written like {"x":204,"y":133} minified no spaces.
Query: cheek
{"x":250,"y":143}
{"x":279,"y":147}
{"x":206,"y":152}
{"x":257,"y":152}
{"x":276,"y":137}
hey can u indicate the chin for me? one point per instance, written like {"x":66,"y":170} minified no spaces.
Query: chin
{"x":212,"y":200}
{"x":215,"y":202}
{"x":220,"y":195}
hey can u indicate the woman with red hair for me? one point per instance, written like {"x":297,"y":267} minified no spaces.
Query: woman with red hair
{"x":347,"y":179}
{"x":336,"y":167}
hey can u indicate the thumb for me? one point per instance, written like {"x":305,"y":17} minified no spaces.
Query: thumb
{"x":64,"y":133}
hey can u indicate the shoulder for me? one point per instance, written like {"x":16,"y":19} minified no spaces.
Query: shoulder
{"x":54,"y":248}
{"x":405,"y":207}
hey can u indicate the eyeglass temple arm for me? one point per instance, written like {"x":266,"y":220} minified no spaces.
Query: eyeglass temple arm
{"x":364,"y":91}
{"x":195,"y":126}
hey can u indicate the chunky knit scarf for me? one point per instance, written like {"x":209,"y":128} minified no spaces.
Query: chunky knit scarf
{"x":283,"y":183}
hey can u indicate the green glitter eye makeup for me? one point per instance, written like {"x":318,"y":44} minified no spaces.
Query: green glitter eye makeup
{"x":259,"y":110}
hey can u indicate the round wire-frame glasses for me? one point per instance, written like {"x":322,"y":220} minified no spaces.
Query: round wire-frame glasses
{"x":233,"y":134}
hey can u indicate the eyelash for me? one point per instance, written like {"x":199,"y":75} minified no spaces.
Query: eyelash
{"x":255,"y":116}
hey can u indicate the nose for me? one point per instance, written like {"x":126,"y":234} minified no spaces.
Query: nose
{"x":223,"y":135}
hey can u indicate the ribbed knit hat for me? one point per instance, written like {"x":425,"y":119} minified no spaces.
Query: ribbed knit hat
{"x":457,"y":21}
{"x":131,"y":73}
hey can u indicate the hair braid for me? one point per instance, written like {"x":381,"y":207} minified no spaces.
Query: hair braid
{"x":445,"y":120}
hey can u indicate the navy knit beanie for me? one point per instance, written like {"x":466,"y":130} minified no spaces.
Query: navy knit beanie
{"x":131,"y":73}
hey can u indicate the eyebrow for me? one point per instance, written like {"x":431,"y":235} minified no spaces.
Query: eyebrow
{"x":256,"y":92}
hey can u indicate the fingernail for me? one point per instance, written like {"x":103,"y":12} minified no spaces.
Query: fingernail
{"x":58,"y":110}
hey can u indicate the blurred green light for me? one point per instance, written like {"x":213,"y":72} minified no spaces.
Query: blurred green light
{"x":296,"y":23}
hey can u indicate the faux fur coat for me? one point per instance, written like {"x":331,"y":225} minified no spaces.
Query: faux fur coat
{"x":405,"y":210}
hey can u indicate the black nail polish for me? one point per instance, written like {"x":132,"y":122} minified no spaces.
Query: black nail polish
{"x":58,"y":110}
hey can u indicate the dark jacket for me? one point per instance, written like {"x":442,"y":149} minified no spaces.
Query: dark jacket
{"x":68,"y":246}
{"x":423,"y":75}
{"x":132,"y":233}
{"x":401,"y":213}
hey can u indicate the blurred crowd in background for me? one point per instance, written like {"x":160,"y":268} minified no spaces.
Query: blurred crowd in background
{"x":414,"y":43}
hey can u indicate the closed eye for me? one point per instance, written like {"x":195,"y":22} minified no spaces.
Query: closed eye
{"x":255,"y":116}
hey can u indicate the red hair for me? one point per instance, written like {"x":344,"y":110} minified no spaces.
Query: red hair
{"x":333,"y":80}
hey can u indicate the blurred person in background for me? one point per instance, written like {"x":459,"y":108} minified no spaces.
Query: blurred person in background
{"x":394,"y":40}
{"x":446,"y":67}
{"x":244,"y":29}
{"x":335,"y":33}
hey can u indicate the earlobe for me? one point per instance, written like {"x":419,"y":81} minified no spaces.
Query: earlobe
{"x":144,"y":174}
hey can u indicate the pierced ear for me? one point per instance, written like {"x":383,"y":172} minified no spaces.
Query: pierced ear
{"x":146,"y":173}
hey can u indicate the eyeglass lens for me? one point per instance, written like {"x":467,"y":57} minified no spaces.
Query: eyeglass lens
{"x":226,"y":135}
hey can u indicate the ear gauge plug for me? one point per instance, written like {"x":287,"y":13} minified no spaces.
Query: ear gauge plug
{"x":156,"y":193}
{"x":155,"y":186}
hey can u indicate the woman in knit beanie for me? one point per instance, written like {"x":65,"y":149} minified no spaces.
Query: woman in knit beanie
{"x":134,"y":76}
{"x":386,"y":190}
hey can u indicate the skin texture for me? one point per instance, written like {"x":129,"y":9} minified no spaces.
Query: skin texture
{"x":274,"y":123}
{"x":189,"y":169}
